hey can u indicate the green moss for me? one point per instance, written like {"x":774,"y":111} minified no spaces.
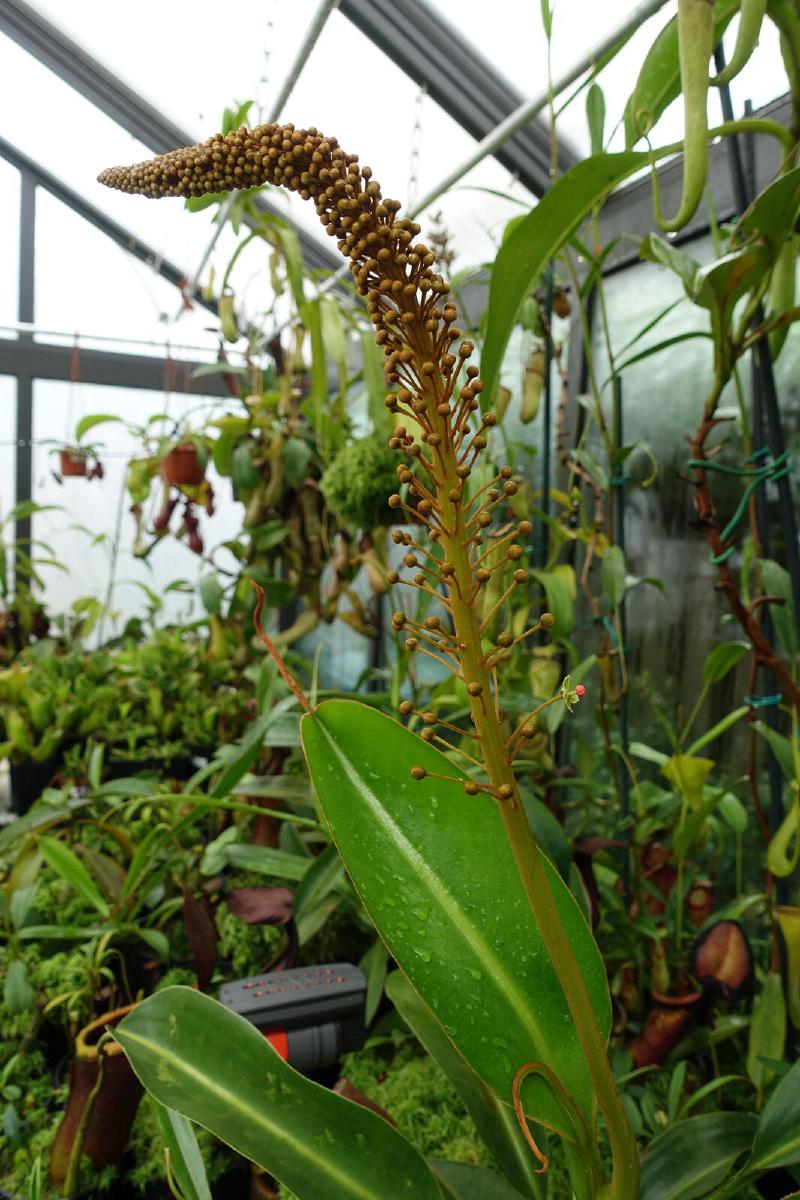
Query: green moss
{"x":247,"y":947}
{"x":358,"y":481}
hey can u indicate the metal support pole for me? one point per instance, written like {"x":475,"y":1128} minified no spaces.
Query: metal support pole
{"x":313,"y":32}
{"x":547,"y":421}
{"x":618,"y":483}
{"x":25,"y":312}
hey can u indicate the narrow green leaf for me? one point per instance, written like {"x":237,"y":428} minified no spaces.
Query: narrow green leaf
{"x":248,"y":750}
{"x":244,"y":472}
{"x":733,"y":813}
{"x":677,"y":1080}
{"x":536,"y":240}
{"x":777,"y":1141}
{"x":264,"y":860}
{"x":767,"y":1029}
{"x":722,"y":659}
{"x":208,"y":1063}
{"x":657,"y":249}
{"x":648,"y":753}
{"x":211,"y":594}
{"x":185,"y":1159}
{"x":495,"y":1122}
{"x":289,"y":241}
{"x":65,"y":863}
{"x":87,"y":423}
{"x":694,"y":1156}
{"x":713,"y":1085}
{"x":613,"y":575}
{"x":321,"y":877}
{"x":374,"y":965}
{"x":434,"y":870}
{"x":777,"y":583}
{"x":372,"y":365}
{"x":781,"y":747}
{"x":17,"y":990}
{"x":559,"y":594}
{"x":311,"y":316}
{"x":596,"y":117}
{"x":717,"y":730}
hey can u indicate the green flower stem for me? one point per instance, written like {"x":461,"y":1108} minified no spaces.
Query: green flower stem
{"x":624,"y":1184}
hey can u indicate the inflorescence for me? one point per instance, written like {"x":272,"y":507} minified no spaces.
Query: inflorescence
{"x":435,"y":400}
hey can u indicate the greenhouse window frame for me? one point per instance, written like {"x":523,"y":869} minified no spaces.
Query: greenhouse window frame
{"x":106,"y":91}
{"x":438,"y":58}
{"x":25,"y":360}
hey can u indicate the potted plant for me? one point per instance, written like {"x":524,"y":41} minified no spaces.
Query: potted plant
{"x":184,"y":462}
{"x":80,"y":459}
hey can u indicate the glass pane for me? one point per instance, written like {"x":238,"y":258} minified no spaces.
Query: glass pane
{"x":669,"y":633}
{"x":87,"y":285}
{"x":8,"y":442}
{"x":9,"y":245}
{"x":83,"y":531}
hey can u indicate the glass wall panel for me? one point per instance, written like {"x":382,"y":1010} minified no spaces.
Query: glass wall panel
{"x":670,"y":632}
{"x":8,"y":422}
{"x":93,"y":514}
{"x":9,"y":245}
{"x":88,"y":286}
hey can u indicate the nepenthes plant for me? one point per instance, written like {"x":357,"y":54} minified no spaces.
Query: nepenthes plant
{"x":499,"y":974}
{"x":444,"y":861}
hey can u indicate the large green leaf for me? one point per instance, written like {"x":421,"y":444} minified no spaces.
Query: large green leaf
{"x":538,"y":238}
{"x":495,"y":1122}
{"x":695,"y":1155}
{"x":208,"y":1063}
{"x":435,"y":871}
{"x":777,"y":1142}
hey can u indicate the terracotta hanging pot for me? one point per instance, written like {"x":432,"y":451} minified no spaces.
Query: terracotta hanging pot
{"x":114,"y":1107}
{"x":182,"y":466}
{"x":73,"y":462}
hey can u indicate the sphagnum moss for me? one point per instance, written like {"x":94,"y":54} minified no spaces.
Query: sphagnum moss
{"x":438,"y":393}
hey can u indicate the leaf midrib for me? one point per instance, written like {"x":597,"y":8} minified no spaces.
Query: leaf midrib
{"x":520,"y":1004}
{"x":249,"y":1115}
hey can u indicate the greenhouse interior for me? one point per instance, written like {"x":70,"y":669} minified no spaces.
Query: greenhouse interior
{"x":400,"y":600}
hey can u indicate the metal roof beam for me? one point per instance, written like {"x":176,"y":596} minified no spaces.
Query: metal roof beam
{"x":106,"y":91}
{"x":465,"y":84}
{"x":41,"y":360}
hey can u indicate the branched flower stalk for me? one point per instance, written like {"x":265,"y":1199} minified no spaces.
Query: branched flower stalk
{"x":441,"y":431}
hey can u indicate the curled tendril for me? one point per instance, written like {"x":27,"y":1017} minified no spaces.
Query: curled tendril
{"x":274,"y":653}
{"x":519,"y":1079}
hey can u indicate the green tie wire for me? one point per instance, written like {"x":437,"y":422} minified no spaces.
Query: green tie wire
{"x":763,"y":701}
{"x":775,"y":470}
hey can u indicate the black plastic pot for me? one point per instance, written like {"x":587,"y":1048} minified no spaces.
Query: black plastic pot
{"x":28,"y":781}
{"x":176,"y":768}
